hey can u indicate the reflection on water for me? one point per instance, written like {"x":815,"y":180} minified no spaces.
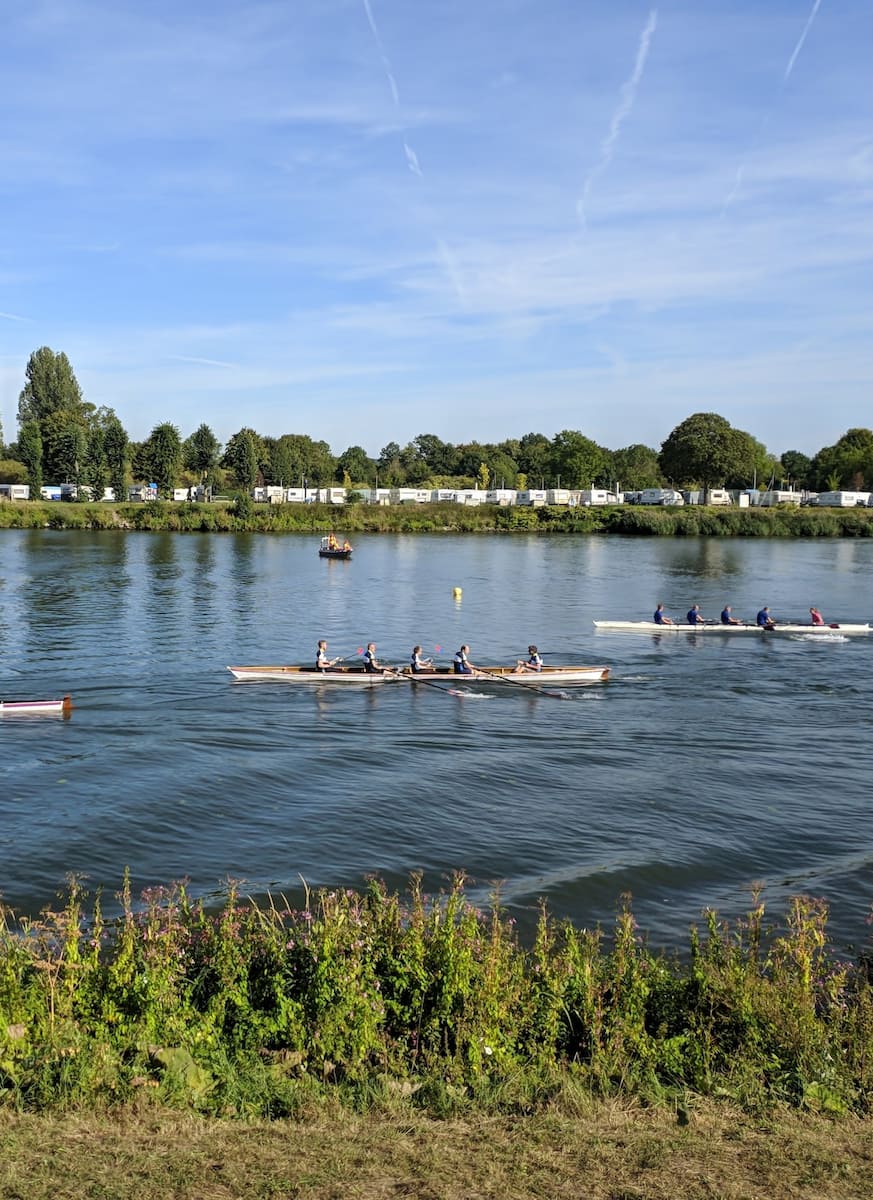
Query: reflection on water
{"x":689,"y":775}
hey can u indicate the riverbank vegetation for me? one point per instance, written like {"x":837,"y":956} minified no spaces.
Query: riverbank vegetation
{"x":370,"y":1000}
{"x":243,"y":515}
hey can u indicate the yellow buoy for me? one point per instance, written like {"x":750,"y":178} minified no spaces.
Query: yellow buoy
{"x":457,"y":593}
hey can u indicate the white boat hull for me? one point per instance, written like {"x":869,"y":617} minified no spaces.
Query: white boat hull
{"x":35,"y":708}
{"x":717,"y":627}
{"x":308,"y":675}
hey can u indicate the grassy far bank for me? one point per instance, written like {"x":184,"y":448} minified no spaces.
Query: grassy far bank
{"x":598,"y":1152}
{"x":441,"y":518}
{"x":366,"y":1001}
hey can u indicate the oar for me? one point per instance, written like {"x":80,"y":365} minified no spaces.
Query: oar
{"x":517,"y":683}
{"x":410,"y":678}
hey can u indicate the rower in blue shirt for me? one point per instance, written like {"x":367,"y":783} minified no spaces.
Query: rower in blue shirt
{"x":693,"y":615}
{"x":764,"y":620}
{"x":726,"y":618}
{"x":660,"y":617}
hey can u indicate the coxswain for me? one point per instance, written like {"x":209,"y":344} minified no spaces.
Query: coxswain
{"x":660,"y":617}
{"x":534,"y":660}
{"x":726,"y":618}
{"x":461,"y":664}
{"x":693,"y":615}
{"x":817,"y":618}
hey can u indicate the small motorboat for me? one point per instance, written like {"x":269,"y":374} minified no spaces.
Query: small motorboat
{"x":331,"y":548}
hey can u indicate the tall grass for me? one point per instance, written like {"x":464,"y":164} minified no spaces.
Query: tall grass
{"x":257,"y":1008}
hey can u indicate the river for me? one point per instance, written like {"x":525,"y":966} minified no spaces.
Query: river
{"x":704,"y":765}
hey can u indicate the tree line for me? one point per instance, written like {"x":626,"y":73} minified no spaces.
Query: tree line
{"x":63,"y":438}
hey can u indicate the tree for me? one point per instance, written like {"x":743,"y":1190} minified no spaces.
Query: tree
{"x":797,"y":468}
{"x":636,"y":467}
{"x":705,"y":449}
{"x":30,"y":453}
{"x":115,"y":448}
{"x":356,"y":463}
{"x":163,"y":453}
{"x":850,"y":461}
{"x":575,"y":459}
{"x":242,"y":455}
{"x":51,"y":396}
{"x":440,"y":457}
{"x":534,"y":456}
{"x":201,"y":453}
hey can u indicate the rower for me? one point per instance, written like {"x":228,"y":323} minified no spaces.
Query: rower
{"x":693,"y":615}
{"x":417,"y":664}
{"x":817,"y":618}
{"x":322,"y":662}
{"x":763,"y":620}
{"x":461,"y":664}
{"x":726,"y":618}
{"x":534,"y":661}
{"x":371,"y":662}
{"x":660,"y":617}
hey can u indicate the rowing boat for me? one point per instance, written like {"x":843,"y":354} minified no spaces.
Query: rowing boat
{"x":310,"y":675}
{"x":717,"y":627}
{"x":546,"y":677}
{"x":12,"y":708}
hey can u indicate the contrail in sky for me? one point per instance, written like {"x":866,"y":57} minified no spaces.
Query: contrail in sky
{"x":801,"y":40}
{"x":738,"y":178}
{"x":625,"y":104}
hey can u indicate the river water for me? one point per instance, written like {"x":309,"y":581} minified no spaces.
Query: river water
{"x":704,"y":765}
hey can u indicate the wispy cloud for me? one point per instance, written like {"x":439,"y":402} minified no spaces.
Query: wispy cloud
{"x":203,"y":362}
{"x":622,"y":112}
{"x":5,"y":316}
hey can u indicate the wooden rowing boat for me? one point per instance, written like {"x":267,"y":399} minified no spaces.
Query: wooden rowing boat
{"x":717,"y":627}
{"x":547,"y":677}
{"x":310,"y":675}
{"x":12,"y":708}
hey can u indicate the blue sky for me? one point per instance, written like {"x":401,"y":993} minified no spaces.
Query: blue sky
{"x":367,"y":219}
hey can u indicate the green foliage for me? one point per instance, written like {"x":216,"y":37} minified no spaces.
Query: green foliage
{"x":704,"y":449}
{"x":162,"y":455}
{"x":256,"y":1006}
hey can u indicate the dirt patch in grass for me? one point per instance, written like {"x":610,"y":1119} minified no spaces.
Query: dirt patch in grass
{"x":609,"y":1153}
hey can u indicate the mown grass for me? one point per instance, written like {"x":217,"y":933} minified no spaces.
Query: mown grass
{"x":441,"y":518}
{"x":602,"y":1151}
{"x":261,"y":1011}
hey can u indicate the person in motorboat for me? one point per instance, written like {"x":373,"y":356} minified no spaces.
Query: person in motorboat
{"x":693,"y":616}
{"x":726,"y":618}
{"x":763,"y":620}
{"x":371,"y":662}
{"x":534,"y":661}
{"x":332,"y":543}
{"x":322,"y":662}
{"x":417,"y":664}
{"x":461,"y":664}
{"x":817,"y":618}
{"x":660,"y":617}
{"x":347,"y":546}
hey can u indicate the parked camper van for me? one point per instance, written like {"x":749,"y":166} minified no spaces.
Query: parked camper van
{"x":843,"y":499}
{"x":14,"y":491}
{"x":718,"y":496}
{"x":661,"y":496}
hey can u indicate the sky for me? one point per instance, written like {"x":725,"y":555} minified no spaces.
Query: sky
{"x":364,"y":220}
